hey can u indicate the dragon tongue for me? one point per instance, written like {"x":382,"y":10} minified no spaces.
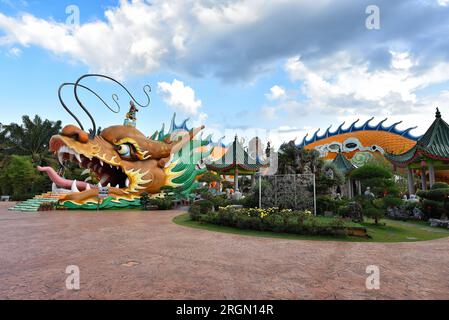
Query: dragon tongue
{"x":73,"y":185}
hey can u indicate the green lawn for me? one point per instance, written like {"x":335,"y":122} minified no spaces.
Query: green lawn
{"x":392,"y":231}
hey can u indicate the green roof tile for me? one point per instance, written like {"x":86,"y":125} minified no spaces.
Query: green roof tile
{"x":433,"y":144}
{"x":343,"y":164}
{"x":236,"y":157}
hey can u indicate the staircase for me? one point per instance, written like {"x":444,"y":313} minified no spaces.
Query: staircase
{"x":32,"y":205}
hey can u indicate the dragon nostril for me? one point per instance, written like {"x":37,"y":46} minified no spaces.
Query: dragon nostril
{"x":75,"y":133}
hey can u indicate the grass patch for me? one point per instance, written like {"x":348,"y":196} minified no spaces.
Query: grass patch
{"x":393,"y":231}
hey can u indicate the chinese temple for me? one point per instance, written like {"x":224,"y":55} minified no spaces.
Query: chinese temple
{"x":236,"y":161}
{"x":345,"y":166}
{"x":428,"y":157}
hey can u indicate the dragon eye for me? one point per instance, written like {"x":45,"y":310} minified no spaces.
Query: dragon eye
{"x":124,"y":150}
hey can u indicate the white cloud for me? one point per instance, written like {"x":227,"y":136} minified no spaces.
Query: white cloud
{"x":276,"y":92}
{"x":233,"y":39}
{"x":340,"y":88}
{"x":179,"y":96}
{"x":332,"y":84}
{"x":136,"y":37}
{"x":401,"y":60}
{"x":15,"y":52}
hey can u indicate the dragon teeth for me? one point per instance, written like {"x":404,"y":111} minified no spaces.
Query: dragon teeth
{"x":78,"y":157}
{"x":101,"y":162}
{"x":87,"y":171}
{"x":60,"y":158}
{"x":74,"y":188}
{"x":127,"y":182}
{"x":117,"y":186}
{"x":87,"y":186}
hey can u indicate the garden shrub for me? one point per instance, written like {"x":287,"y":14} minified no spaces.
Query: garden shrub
{"x":326,"y":203}
{"x":165,"y":203}
{"x":194,"y":212}
{"x":145,"y":201}
{"x":271,"y":219}
{"x":440,"y":185}
{"x":219,"y":201}
{"x":374,"y":213}
{"x":162,"y":203}
{"x":435,"y":201}
{"x":204,"y":205}
{"x":392,"y":201}
{"x":433,"y":209}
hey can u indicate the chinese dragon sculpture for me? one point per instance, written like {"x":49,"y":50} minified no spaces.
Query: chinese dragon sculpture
{"x":125,"y":160}
{"x":361,"y":143}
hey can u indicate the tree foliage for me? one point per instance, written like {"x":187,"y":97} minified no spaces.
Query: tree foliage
{"x":293,"y":159}
{"x":30,"y":138}
{"x":377,"y":177}
{"x":19,"y":178}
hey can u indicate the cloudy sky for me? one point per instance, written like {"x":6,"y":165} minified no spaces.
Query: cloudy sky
{"x":287,"y":66}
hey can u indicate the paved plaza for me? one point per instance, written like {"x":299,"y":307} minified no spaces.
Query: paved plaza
{"x":144,"y":255}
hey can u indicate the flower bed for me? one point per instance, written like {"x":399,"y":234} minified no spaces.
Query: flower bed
{"x":276,"y":220}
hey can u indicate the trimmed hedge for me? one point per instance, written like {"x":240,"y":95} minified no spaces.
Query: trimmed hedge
{"x":272,"y":219}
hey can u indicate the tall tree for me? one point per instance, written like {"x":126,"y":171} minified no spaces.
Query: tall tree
{"x":30,"y":138}
{"x":293,"y":159}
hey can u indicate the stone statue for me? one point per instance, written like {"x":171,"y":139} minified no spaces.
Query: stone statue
{"x":369,"y":194}
{"x":130,"y":118}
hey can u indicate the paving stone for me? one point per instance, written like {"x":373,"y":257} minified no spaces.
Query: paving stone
{"x":126,"y":255}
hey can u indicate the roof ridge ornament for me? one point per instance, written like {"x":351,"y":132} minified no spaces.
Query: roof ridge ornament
{"x":438,"y":113}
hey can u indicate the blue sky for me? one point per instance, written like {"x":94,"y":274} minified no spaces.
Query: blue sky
{"x":288,"y":66}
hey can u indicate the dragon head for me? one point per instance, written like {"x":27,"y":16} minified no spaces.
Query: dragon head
{"x":121,"y":157}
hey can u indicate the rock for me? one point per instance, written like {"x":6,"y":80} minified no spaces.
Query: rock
{"x":398,"y":213}
{"x":355,"y":211}
{"x":417,"y":213}
{"x":439,"y":223}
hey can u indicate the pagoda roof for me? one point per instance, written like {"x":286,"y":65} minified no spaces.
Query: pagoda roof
{"x":236,"y":157}
{"x":434,"y":144}
{"x":343,"y":164}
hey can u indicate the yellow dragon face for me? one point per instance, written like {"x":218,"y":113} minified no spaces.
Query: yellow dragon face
{"x":361,"y":145}
{"x":121,"y":157}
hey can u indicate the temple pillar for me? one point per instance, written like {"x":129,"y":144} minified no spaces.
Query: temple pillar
{"x":236,"y":180}
{"x":218,"y":186}
{"x":359,"y":187}
{"x":410,"y":182}
{"x":350,"y":189}
{"x":423,"y":179}
{"x":431,"y":175}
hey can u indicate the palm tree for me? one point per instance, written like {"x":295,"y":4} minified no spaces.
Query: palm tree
{"x":288,"y":158}
{"x":30,"y":138}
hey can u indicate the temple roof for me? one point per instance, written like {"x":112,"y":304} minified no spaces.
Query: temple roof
{"x":343,"y":164}
{"x":434,"y":144}
{"x":236,"y":157}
